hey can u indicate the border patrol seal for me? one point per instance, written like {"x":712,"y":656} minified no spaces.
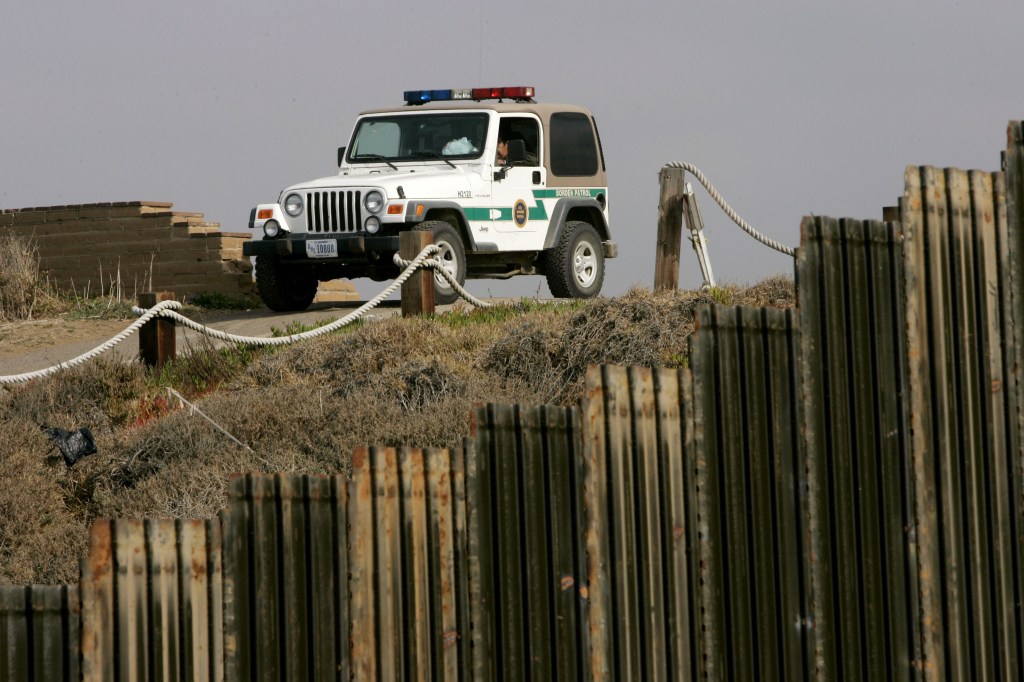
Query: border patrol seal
{"x":519,"y":213}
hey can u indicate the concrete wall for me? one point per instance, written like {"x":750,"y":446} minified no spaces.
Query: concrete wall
{"x":144,"y":245}
{"x":88,"y":247}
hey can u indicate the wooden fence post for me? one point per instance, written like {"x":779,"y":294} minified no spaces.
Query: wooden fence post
{"x":157,"y":343}
{"x":670,"y":227}
{"x":418,"y":290}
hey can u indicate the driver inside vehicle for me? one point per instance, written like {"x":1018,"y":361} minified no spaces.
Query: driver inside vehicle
{"x":519,"y":155}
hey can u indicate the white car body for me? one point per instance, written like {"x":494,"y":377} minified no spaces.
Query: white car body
{"x":507,"y":215}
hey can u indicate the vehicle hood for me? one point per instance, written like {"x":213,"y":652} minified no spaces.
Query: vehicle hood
{"x":416,"y":180}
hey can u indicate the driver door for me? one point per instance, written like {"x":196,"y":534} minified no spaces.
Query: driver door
{"x":516,"y":211}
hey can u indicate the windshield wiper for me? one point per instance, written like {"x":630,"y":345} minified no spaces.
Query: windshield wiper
{"x":433,"y":155}
{"x":374,"y":157}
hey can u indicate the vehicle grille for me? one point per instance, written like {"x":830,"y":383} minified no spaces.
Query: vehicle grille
{"x":338,"y":211}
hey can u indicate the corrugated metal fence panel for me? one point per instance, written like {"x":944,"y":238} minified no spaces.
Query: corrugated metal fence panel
{"x":641,"y":524}
{"x":39,"y":633}
{"x":964,"y":421}
{"x":285,"y":578}
{"x":151,"y":601}
{"x":1009,"y":250}
{"x":1011,"y":263}
{"x":407,"y":581}
{"x":755,"y":590}
{"x":850,"y":289}
{"x":365,"y":579}
{"x":526,"y":553}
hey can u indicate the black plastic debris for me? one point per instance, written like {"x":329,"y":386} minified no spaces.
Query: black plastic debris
{"x":74,"y":445}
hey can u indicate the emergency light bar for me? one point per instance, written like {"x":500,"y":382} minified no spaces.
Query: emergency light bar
{"x":520,"y":93}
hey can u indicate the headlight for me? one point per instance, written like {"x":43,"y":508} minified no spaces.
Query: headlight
{"x":374,"y":201}
{"x":293,"y":205}
{"x":372,"y":225}
{"x":271,"y":229}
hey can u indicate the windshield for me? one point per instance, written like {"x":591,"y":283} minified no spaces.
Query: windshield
{"x":419,"y":137}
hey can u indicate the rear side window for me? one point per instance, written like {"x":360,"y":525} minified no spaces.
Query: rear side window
{"x":573,"y":150}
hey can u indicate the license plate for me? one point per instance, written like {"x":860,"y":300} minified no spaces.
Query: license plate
{"x":321,"y":248}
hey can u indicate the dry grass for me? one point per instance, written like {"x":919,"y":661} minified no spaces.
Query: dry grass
{"x":20,"y":281}
{"x":305,"y":408}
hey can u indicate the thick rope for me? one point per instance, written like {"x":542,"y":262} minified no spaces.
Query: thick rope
{"x":693,"y":170}
{"x":419,"y":261}
{"x":440,"y":269}
{"x":167,"y":309}
{"x":85,"y":357}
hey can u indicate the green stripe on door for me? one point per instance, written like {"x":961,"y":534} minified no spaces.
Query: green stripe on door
{"x":569,"y":192}
{"x":538,"y":211}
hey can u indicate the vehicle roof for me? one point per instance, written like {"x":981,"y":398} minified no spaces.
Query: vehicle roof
{"x":541,"y":109}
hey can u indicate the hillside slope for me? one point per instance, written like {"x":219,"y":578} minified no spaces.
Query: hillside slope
{"x":303,"y":408}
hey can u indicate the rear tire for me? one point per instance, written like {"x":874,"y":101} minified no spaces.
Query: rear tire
{"x":452,"y":255}
{"x":575,"y":266}
{"x":284,"y":289}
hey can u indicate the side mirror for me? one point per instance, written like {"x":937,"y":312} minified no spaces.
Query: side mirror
{"x":341,"y":155}
{"x":516,"y":151}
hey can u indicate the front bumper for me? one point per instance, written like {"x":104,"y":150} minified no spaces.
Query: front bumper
{"x":349,"y":246}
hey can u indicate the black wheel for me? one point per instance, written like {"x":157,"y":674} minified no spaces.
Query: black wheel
{"x":575,"y":266}
{"x":453,"y":255}
{"x":284,"y":289}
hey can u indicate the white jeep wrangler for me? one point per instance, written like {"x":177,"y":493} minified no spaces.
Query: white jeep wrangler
{"x":506,"y":185}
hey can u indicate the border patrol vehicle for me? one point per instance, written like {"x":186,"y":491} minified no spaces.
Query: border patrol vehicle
{"x":506,"y":185}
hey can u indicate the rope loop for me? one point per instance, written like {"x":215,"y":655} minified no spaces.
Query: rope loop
{"x":744,"y":225}
{"x":440,"y":269}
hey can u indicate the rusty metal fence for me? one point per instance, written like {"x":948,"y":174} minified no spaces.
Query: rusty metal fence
{"x":964,"y":404}
{"x":151,"y":601}
{"x":752,"y":520}
{"x":328,"y":578}
{"x":528,"y":576}
{"x":39,"y":627}
{"x":641,"y":527}
{"x":862,"y":521}
{"x":830,"y":493}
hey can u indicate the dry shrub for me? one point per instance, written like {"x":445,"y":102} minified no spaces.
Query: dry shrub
{"x":305,"y":408}
{"x":177,"y":466}
{"x":774,"y":292}
{"x":638,"y":329}
{"x":101,"y":394}
{"x":646,"y":329}
{"x":43,"y":534}
{"x":20,"y":280}
{"x":352,"y":357}
{"x":521,"y":355}
{"x":417,"y":385}
{"x":204,"y":366}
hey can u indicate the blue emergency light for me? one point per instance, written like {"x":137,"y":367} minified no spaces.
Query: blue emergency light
{"x":518,"y":93}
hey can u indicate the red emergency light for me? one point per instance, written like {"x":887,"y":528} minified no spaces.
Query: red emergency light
{"x":519,"y":93}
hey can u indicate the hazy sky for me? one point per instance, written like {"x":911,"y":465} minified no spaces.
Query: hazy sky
{"x":791,"y":108}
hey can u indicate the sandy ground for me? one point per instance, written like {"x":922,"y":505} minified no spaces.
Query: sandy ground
{"x":37,"y":344}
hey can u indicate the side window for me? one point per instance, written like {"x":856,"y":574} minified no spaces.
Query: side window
{"x":525,"y":129}
{"x":573,"y":150}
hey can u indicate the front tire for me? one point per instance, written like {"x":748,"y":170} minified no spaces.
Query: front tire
{"x":452,"y":256}
{"x":284,"y":289}
{"x":575,"y":266}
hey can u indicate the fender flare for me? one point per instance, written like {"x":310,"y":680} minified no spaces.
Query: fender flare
{"x":428,"y":206}
{"x":561,"y":212}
